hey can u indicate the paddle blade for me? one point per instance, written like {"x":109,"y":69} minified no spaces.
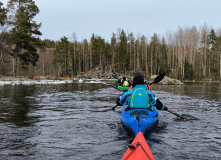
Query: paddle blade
{"x":114,"y":73}
{"x":159,"y":78}
{"x":113,"y":108}
{"x":183,"y":116}
{"x":188,"y":117}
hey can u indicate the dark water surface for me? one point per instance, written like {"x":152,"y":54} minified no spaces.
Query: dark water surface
{"x":75,"y":121}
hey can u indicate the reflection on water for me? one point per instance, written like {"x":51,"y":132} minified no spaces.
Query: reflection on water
{"x":202,"y":90}
{"x":75,"y":121}
{"x":15,"y":105}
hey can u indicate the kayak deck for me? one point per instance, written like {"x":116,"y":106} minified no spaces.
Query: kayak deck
{"x":147,"y":119}
{"x":138,"y":149}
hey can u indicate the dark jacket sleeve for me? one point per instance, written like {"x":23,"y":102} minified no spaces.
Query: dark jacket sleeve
{"x":160,"y":106}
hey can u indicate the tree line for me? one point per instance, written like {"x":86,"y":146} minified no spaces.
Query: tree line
{"x":186,"y":54}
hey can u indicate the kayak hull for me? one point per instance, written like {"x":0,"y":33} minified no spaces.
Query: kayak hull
{"x":138,"y":150}
{"x":123,"y":88}
{"x":147,"y":119}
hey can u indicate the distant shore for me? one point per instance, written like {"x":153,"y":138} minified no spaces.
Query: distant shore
{"x":165,"y":81}
{"x":11,"y":78}
{"x":98,"y":75}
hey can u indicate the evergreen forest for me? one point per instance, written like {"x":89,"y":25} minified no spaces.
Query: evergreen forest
{"x":188,"y":53}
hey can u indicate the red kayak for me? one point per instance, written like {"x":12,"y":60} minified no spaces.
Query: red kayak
{"x":138,"y":149}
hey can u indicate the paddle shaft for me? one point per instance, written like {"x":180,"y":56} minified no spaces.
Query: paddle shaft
{"x":106,"y":84}
{"x":114,"y":107}
{"x":114,"y":76}
{"x":156,"y":80}
{"x":114,"y":73}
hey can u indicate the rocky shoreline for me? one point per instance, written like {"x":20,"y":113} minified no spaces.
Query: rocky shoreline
{"x":99,"y":74}
{"x":108,"y":75}
{"x":11,"y":78}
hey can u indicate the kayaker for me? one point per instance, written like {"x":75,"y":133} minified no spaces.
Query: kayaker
{"x":124,"y":82}
{"x":140,"y":96}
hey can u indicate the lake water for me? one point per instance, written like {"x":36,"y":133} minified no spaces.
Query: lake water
{"x":74,"y":121}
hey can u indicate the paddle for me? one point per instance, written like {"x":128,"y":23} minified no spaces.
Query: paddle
{"x":117,"y":77}
{"x":114,"y":73}
{"x":106,"y":84}
{"x":114,"y":107}
{"x":158,"y":78}
{"x":114,"y":76}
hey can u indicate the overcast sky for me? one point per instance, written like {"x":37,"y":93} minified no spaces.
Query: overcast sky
{"x":103,"y":17}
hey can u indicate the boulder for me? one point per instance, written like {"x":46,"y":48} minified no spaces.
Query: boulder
{"x":95,"y":74}
{"x":168,"y":81}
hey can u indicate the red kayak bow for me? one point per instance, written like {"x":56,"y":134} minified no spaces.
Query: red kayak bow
{"x":138,"y":149}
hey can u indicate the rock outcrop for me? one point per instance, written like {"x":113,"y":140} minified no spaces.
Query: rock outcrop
{"x":168,"y":81}
{"x":99,"y":74}
{"x":108,"y":75}
{"x":95,"y":74}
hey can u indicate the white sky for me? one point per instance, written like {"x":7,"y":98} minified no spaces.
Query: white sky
{"x":103,"y":17}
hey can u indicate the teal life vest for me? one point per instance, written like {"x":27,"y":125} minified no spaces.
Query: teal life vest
{"x":141,"y":97}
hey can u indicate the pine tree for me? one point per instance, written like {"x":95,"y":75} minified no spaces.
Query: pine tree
{"x":3,"y":19}
{"x":218,"y":49}
{"x":61,"y":57}
{"x":86,"y":56}
{"x":24,"y":32}
{"x":3,"y":14}
{"x":94,"y":51}
{"x":131,"y":51}
{"x":113,"y":47}
{"x":188,"y":71}
{"x":101,"y":49}
{"x":154,"y":51}
{"x":108,"y":57}
{"x":163,"y":60}
{"x":213,"y":54}
{"x":121,"y":54}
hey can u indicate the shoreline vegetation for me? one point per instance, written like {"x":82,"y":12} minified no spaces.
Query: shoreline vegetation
{"x":188,"y":53}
